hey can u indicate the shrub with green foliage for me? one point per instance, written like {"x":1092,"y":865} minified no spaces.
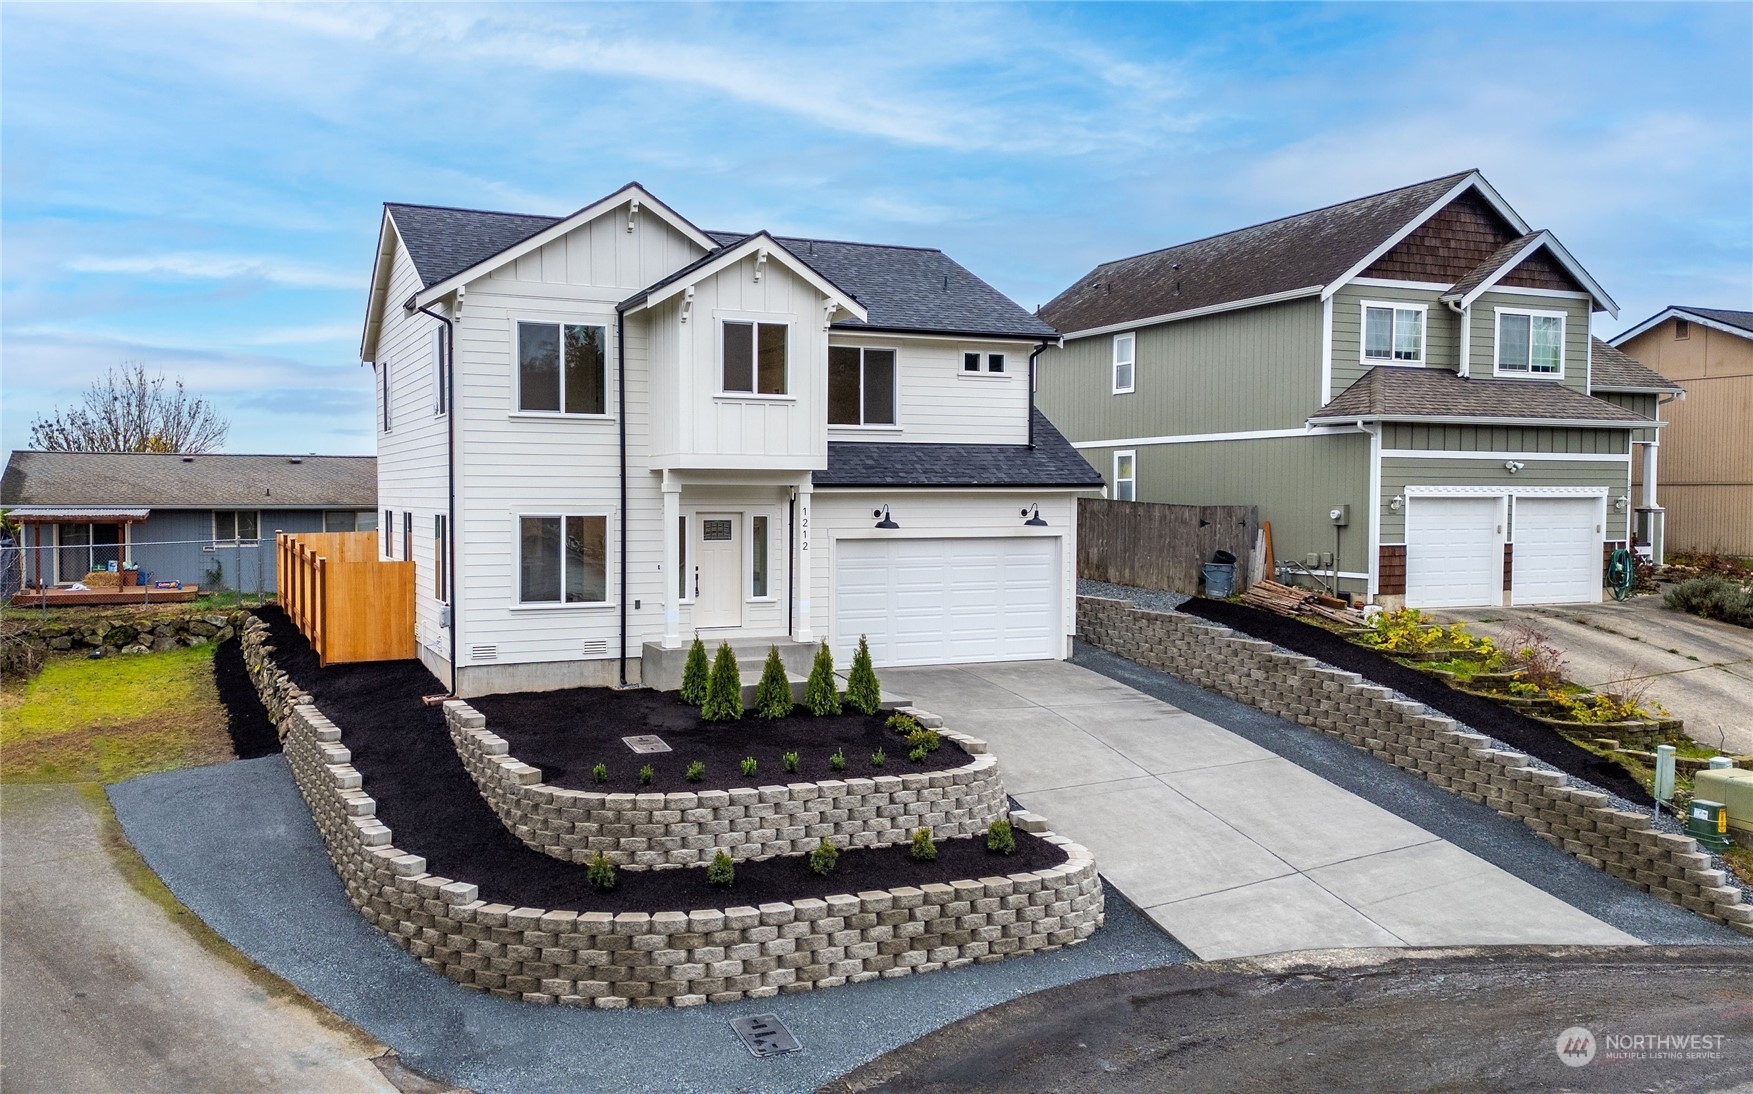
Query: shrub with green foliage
{"x":904,"y":724}
{"x":922,"y":849}
{"x":600,"y":873}
{"x":645,"y":775}
{"x":824,"y":858}
{"x":1000,"y":840}
{"x":790,"y":760}
{"x":696,"y":771}
{"x":749,"y":767}
{"x":838,"y":760}
{"x":694,"y":674}
{"x":925,"y":738}
{"x":878,"y":758}
{"x":723,"y":871}
{"x":822,"y":694}
{"x":1714,"y":597}
{"x":600,"y":773}
{"x":773,"y":693}
{"x":863,"y":693}
{"x":918,"y":754}
{"x":724,"y":691}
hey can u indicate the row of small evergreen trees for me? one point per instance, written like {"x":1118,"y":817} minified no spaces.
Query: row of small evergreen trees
{"x":718,"y":690}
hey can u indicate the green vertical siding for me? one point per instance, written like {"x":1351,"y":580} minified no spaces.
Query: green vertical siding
{"x":1258,"y":368}
{"x":1441,"y":330}
{"x":1576,"y":333}
{"x":1474,"y":438}
{"x":1399,"y":473}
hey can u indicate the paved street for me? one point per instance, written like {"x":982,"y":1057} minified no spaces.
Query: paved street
{"x":1231,"y":848}
{"x":1700,"y":669}
{"x":104,"y":991}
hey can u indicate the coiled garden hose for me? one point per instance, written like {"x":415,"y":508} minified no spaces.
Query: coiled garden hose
{"x":1621,"y":573}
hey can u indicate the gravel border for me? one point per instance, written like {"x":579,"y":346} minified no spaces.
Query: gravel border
{"x":1156,"y":600}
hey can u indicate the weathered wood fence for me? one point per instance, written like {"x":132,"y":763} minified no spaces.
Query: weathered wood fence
{"x":1156,"y":546}
{"x":350,"y":604}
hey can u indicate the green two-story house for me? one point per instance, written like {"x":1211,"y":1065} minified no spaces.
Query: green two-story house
{"x":1401,"y":383}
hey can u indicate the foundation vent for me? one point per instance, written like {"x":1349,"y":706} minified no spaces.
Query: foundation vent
{"x":483,"y":653}
{"x":595,"y":647}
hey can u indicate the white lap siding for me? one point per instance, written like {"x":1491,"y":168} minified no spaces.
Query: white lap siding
{"x":937,"y":401}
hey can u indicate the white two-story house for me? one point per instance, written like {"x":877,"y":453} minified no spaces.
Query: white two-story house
{"x":605,"y":433}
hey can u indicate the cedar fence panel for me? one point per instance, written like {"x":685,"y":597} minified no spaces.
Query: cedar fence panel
{"x":350,"y":604}
{"x":1156,"y":546}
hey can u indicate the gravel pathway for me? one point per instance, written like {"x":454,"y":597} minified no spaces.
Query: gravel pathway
{"x":1156,"y":600}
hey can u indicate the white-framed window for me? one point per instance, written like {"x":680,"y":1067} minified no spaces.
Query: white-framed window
{"x":383,"y":380}
{"x":562,"y":368}
{"x":995,"y":362}
{"x":563,"y":558}
{"x":970,"y":362}
{"x":754,"y":358}
{"x":1393,"y":333}
{"x":861,"y":386}
{"x":1126,"y":476}
{"x":236,"y":526}
{"x":758,"y":568}
{"x":440,"y":372}
{"x":1530,"y":343}
{"x":974,"y":363}
{"x":1125,"y":362}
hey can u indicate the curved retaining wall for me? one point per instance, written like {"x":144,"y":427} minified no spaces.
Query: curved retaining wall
{"x":686,"y":828}
{"x":676,"y":958}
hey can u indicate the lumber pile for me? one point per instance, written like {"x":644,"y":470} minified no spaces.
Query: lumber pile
{"x":1292,"y":601}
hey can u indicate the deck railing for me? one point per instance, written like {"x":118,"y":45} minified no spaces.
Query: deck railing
{"x":350,"y":604}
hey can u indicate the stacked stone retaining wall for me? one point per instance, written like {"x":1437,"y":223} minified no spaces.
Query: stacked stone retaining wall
{"x":1582,"y":821}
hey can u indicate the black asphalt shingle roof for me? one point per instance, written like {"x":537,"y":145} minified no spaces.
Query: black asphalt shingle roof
{"x":1396,"y":391}
{"x":168,"y":479}
{"x":1052,"y":462}
{"x":443,"y":242}
{"x":1612,"y":369}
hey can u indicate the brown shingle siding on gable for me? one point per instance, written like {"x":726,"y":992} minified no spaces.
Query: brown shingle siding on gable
{"x":1449,"y":245}
{"x":1541,"y":271}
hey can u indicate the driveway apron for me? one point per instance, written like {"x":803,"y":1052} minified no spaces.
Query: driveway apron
{"x":1230,"y":848}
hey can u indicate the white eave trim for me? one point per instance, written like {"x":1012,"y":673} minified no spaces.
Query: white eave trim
{"x":382,"y":271}
{"x":1195,"y":313}
{"x":760,"y":241}
{"x":1617,"y":389}
{"x":546,"y":236}
{"x":1460,"y":419}
{"x":1543,"y":239}
{"x":1202,"y":438}
{"x":1676,"y":313}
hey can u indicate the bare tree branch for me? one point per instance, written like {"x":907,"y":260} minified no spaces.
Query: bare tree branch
{"x":128,"y":411}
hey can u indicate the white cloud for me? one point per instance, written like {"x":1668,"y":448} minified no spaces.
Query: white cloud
{"x":220,"y":267}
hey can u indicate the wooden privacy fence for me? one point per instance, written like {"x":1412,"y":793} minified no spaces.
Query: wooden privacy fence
{"x":1156,"y":546}
{"x":350,"y":604}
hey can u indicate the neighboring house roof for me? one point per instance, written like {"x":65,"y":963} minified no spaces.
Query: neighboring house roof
{"x":1726,"y":320}
{"x":117,"y":479}
{"x":1051,"y":462}
{"x":1612,"y":369}
{"x":1396,"y":391}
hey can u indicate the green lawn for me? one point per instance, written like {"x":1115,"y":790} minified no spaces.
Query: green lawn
{"x":82,"y":720}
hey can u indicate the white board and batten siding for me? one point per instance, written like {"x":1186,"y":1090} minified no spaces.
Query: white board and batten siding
{"x":938,"y":401}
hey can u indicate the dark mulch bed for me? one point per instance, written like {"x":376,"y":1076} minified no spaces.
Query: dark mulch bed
{"x":252,"y":733}
{"x":404,"y":754}
{"x":1493,"y":719}
{"x":566,"y":733}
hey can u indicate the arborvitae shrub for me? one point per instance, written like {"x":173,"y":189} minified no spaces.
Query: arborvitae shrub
{"x":824,"y":857}
{"x":723,"y":871}
{"x":1000,"y":840}
{"x":694,"y":674}
{"x":822,"y":693}
{"x":600,"y":873}
{"x":923,"y":849}
{"x":645,"y":775}
{"x":863,"y":693}
{"x":600,"y":773}
{"x":724,"y":692}
{"x":773,"y":693}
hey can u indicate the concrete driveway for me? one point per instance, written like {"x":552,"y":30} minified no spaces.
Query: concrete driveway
{"x":1700,"y":669}
{"x":1232,"y":849}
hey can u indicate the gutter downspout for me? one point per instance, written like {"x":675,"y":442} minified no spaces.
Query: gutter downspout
{"x":450,"y":481}
{"x":1372,"y":586}
{"x":621,"y":416}
{"x":1036,"y":352}
{"x":1466,"y":314}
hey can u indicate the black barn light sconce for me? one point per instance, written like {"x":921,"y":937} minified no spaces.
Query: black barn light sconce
{"x":1033,"y":513}
{"x":883,"y":518}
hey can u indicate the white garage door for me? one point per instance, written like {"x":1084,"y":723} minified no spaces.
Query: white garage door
{"x":1557,"y":554}
{"x":936,"y":601}
{"x":1453,"y":553}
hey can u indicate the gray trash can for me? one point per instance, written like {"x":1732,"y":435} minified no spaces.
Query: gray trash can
{"x":1220,"y":578}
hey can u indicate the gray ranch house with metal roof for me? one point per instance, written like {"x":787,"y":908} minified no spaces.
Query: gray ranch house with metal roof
{"x":206,"y":520}
{"x":605,"y":433}
{"x":1405,"y":384}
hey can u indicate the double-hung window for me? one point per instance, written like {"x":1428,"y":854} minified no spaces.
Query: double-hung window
{"x":563,"y":559}
{"x":562,"y":368}
{"x":1125,"y":476}
{"x":1530,"y":343}
{"x":236,"y":525}
{"x":1393,"y":334}
{"x":754,"y":359}
{"x":861,"y":386}
{"x":1125,"y":357}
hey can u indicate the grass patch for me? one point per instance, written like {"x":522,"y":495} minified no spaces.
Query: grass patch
{"x":111,"y":719}
{"x":1740,"y":860}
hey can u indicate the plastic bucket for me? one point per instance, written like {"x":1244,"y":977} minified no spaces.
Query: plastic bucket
{"x":1224,"y":557}
{"x":1220,"y":578}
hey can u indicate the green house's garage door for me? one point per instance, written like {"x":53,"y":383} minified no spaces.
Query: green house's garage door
{"x":941,"y":601}
{"x":1557,"y":554}
{"x":1454,"y":552}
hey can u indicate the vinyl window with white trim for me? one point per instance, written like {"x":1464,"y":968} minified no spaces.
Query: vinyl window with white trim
{"x":1393,"y":334}
{"x":562,"y":368}
{"x":563,"y":558}
{"x":754,"y":358}
{"x":236,"y":526}
{"x":1530,"y":343}
{"x":1125,"y":362}
{"x":861,"y":386}
{"x":1125,"y":476}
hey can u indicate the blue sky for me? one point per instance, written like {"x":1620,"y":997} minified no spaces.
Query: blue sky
{"x":198,"y":187}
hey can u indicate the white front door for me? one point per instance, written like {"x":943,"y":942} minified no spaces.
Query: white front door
{"x":1454,"y":552}
{"x":718,"y":571}
{"x":1557,"y":554}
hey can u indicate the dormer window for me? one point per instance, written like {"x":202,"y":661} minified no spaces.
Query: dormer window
{"x":754,"y":358}
{"x":1530,"y":343}
{"x":861,"y":386}
{"x":1393,"y":334}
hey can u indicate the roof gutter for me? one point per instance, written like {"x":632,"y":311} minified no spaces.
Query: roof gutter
{"x":1461,"y":419}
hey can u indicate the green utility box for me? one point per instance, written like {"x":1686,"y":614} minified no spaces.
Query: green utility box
{"x":1733,"y":787}
{"x":1708,"y":823}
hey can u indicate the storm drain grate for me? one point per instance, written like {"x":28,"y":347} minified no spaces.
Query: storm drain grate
{"x":645,"y":744}
{"x":765,"y":1035}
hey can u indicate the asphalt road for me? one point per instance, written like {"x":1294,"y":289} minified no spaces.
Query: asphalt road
{"x":1468,"y":1020}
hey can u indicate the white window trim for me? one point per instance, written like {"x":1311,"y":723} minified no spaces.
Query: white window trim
{"x":233,"y":539}
{"x":1003,"y":368}
{"x":518,"y":604}
{"x":517,"y":410}
{"x":1363,"y":310}
{"x":1130,"y":454}
{"x":892,"y":427}
{"x":1497,"y":368}
{"x":1131,"y":338}
{"x":721,"y":318}
{"x":749,"y":516}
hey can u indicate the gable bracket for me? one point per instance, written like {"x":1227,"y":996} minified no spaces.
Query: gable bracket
{"x":633,"y":214}
{"x":687,"y":303}
{"x":760,"y":264}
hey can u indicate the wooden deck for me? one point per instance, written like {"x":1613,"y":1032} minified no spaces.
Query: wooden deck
{"x":103,"y":598}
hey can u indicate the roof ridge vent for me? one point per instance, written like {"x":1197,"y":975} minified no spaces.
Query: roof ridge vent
{"x":188,"y":459}
{"x":295,"y":459}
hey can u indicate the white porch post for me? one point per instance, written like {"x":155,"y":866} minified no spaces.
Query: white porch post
{"x":672,"y":562}
{"x":1657,"y":529}
{"x":1650,"y":448}
{"x":800,"y":547}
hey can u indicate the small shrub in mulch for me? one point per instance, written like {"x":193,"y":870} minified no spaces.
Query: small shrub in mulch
{"x":1714,"y":597}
